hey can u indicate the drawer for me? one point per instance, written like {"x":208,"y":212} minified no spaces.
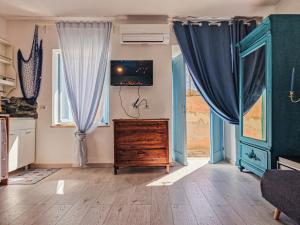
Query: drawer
{"x":142,"y":144}
{"x":255,"y":156}
{"x":142,"y":155}
{"x":21,"y":123}
{"x":144,"y":125}
{"x":137,"y":139}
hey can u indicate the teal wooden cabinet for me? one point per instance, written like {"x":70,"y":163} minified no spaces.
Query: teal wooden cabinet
{"x":271,"y":127}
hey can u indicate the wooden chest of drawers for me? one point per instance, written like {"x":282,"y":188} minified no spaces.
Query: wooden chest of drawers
{"x":140,"y":143}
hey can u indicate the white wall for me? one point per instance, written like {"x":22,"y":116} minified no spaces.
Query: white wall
{"x":231,"y":133}
{"x":288,"y":7}
{"x":55,"y":145}
{"x":2,"y":28}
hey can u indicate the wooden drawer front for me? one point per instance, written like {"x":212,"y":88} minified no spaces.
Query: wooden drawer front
{"x":157,"y":156}
{"x":254,"y":156}
{"x":136,"y":136}
{"x":144,"y":125}
{"x":141,"y":141}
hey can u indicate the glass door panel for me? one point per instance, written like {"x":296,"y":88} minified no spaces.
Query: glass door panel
{"x":254,"y":95}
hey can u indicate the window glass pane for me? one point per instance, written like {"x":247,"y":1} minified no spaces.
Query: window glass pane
{"x":65,"y":110}
{"x":104,"y":103}
{"x":105,"y":111}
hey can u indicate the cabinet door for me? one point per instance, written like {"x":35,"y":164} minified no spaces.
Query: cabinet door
{"x":255,"y":93}
{"x":14,"y":158}
{"x":28,"y":146}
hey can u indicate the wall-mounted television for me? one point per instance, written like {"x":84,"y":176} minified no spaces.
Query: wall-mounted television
{"x":131,"y":72}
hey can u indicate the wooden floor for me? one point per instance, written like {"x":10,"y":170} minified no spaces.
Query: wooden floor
{"x":194,"y":195}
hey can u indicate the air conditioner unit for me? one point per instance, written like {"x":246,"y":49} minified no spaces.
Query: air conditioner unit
{"x":144,"y":33}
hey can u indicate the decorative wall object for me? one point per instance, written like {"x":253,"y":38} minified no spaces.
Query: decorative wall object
{"x":30,"y":70}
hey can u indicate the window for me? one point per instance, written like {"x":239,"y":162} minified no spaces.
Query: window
{"x":62,"y":113}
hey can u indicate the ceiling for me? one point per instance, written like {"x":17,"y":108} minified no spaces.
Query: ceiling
{"x":95,"y":8}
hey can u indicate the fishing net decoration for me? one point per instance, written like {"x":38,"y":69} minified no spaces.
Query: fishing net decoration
{"x":30,"y":70}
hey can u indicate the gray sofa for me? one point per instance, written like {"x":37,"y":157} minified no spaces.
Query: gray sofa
{"x":282,"y":189}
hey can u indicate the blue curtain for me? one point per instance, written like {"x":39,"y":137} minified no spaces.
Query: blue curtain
{"x":212,"y":59}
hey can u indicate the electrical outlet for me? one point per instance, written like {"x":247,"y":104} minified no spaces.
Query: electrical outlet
{"x":43,"y":107}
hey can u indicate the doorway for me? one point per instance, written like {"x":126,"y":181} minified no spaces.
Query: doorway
{"x":196,"y":130}
{"x":197,"y":122}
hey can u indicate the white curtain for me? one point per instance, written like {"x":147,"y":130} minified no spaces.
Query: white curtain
{"x":84,"y":47}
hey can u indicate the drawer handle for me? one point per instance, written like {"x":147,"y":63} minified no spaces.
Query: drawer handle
{"x":28,"y":132}
{"x":252,"y":155}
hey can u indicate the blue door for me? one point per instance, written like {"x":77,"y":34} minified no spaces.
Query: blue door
{"x":216,"y":138}
{"x":179,"y":110}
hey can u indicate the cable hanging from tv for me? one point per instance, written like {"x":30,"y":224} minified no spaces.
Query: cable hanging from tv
{"x":136,"y":105}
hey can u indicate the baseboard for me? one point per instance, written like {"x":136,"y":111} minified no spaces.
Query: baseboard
{"x":50,"y":165}
{"x":68,"y":165}
{"x":100,"y":165}
{"x":230,"y":161}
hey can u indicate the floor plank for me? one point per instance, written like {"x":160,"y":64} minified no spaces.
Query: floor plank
{"x":118,"y":215}
{"x":96,"y":215}
{"x":161,"y":212}
{"x":139,"y":215}
{"x":80,"y":208}
{"x":53,"y":215}
{"x":183,"y":215}
{"x":200,"y":206}
{"x":177,"y":194}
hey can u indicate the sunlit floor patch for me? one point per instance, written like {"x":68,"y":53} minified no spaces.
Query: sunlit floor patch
{"x":60,"y":187}
{"x":169,"y":179}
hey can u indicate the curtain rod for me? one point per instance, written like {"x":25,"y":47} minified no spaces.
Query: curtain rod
{"x":49,"y":20}
{"x":214,"y":19}
{"x":53,"y":20}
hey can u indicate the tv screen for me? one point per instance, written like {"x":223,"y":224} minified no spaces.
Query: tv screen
{"x":131,"y":72}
